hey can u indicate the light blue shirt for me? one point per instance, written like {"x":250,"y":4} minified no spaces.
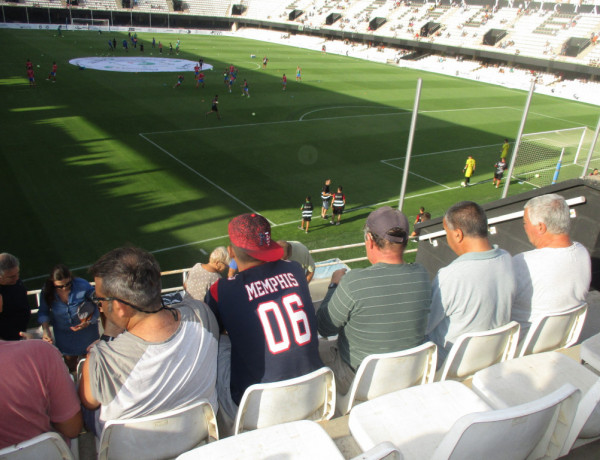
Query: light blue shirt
{"x":472,"y":294}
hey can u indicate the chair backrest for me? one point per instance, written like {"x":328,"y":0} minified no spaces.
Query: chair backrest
{"x":534,"y":430}
{"x":309,"y":397}
{"x":587,"y":418}
{"x":384,"y":373}
{"x":163,"y":435}
{"x":477,"y":350}
{"x":554,"y":331}
{"x":49,"y":446}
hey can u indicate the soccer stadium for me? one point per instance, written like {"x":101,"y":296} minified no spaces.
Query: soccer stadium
{"x":152,"y":124}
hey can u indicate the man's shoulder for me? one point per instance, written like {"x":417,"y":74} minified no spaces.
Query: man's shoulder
{"x":36,"y":349}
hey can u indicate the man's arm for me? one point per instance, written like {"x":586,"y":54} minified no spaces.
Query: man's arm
{"x":436,"y":312}
{"x":334,"y":310}
{"x":70,"y":428}
{"x":85,"y":387}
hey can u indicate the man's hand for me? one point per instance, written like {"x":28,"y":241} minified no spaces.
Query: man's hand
{"x":337,"y":275}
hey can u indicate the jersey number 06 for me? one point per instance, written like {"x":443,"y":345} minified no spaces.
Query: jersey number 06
{"x":293,"y":307}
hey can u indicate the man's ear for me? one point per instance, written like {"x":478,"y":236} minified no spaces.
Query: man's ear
{"x":457,"y":235}
{"x":230,"y":252}
{"x":541,"y":228}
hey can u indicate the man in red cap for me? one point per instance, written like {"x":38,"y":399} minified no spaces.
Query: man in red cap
{"x":267,"y":313}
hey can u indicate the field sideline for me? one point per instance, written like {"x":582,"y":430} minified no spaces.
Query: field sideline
{"x":100,"y":159}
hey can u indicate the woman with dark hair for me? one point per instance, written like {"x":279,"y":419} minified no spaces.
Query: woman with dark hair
{"x":64,"y":305}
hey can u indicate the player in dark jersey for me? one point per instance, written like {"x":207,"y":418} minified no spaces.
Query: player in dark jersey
{"x":499,"y":172}
{"x":307,"y":210}
{"x":214,"y":107}
{"x":339,"y":203}
{"x":267,"y":312}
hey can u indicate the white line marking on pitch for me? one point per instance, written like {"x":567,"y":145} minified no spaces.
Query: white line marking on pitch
{"x":199,"y":175}
{"x":440,"y":152}
{"x":414,"y":174}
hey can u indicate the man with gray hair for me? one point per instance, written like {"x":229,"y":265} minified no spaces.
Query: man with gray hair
{"x":14,"y":308}
{"x":379,"y":309}
{"x":556,"y":275}
{"x":475,"y":292}
{"x":165,"y":358}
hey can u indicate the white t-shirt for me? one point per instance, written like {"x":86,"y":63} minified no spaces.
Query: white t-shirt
{"x":550,"y":280}
{"x":133,"y":378}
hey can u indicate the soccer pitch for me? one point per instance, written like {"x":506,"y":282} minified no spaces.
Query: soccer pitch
{"x":101,"y":159}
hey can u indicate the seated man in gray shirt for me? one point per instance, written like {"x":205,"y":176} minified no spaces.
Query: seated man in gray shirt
{"x":165,"y":358}
{"x":475,"y":292}
{"x":379,"y":309}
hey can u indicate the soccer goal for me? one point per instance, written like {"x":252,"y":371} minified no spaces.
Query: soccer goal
{"x":90,"y":23}
{"x":550,"y":156}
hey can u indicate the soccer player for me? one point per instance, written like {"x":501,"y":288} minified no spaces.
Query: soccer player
{"x":52,"y":75}
{"x":31,"y":77}
{"x":307,"y":210}
{"x":468,"y":170}
{"x":28,"y":64}
{"x":298,"y":73}
{"x":265,"y":61}
{"x":339,"y":203}
{"x":153,"y":42}
{"x":325,"y":197}
{"x":160,"y":47}
{"x":500,"y":167}
{"x":125,"y":45}
{"x":215,"y":107}
{"x":200,"y":80}
{"x":505,"y":146}
{"x":245,"y":89}
{"x":179,"y":81}
{"x":284,"y":82}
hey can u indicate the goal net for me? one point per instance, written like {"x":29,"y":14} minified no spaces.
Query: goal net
{"x":540,"y":153}
{"x":90,"y":23}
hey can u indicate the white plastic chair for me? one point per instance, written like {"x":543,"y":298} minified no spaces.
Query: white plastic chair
{"x":554,"y":331}
{"x":384,"y":373}
{"x":446,"y":420}
{"x":292,"y":441}
{"x":308,"y":397}
{"x":530,"y":377}
{"x":159,"y":436}
{"x":477,"y":350}
{"x":47,"y":446}
{"x":590,"y":352}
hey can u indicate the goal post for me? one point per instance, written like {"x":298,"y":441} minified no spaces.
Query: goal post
{"x":544,"y":155}
{"x":90,"y":22}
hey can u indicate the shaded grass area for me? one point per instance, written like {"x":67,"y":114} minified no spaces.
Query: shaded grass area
{"x":101,"y":159}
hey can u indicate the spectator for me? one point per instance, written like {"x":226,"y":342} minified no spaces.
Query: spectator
{"x":268,"y":314}
{"x":556,"y":275}
{"x":38,"y":395}
{"x":233,"y":268}
{"x":475,"y":292}
{"x":297,"y":252}
{"x":60,"y":303}
{"x":202,"y":276}
{"x":417,"y":231}
{"x":379,"y":309}
{"x":166,"y":358}
{"x":14,"y":308}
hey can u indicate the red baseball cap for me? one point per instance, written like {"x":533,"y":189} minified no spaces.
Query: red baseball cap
{"x":252,"y":233}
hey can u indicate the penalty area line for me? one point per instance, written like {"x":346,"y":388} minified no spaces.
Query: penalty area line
{"x":185,"y":165}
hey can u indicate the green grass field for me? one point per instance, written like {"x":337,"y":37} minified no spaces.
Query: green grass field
{"x":101,"y":159}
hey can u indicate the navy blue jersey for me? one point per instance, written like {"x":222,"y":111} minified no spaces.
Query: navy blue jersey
{"x":271,"y":321}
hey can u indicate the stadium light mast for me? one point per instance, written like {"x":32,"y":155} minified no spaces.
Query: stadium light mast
{"x":518,"y":143}
{"x":589,"y":158}
{"x":411,"y":135}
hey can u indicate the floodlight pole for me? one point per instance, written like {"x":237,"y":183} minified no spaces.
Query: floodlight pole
{"x":589,"y":158}
{"x":518,"y":143}
{"x":411,"y":135}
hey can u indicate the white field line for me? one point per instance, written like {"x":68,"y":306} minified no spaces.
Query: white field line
{"x":199,"y":175}
{"x":414,"y":174}
{"x":301,"y":119}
